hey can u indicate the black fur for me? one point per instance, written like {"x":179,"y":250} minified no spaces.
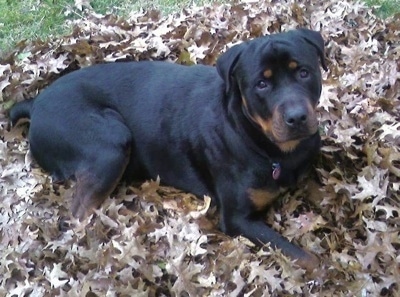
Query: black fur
{"x":239,"y":132}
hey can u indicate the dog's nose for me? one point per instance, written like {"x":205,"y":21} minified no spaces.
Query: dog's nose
{"x":295,"y":117}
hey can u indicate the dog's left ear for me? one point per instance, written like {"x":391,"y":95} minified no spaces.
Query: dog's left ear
{"x":226,"y":63}
{"x":316,"y":40}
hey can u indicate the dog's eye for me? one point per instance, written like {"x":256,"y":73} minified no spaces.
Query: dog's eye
{"x":262,"y":84}
{"x":304,"y":73}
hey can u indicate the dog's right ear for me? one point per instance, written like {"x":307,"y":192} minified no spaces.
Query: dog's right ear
{"x":227,"y":62}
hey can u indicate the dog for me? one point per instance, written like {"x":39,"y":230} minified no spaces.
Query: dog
{"x":240,"y":132}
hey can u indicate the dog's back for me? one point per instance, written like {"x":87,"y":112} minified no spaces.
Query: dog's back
{"x":94,"y":124}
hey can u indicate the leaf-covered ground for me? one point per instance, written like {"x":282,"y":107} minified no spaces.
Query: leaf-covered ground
{"x":155,"y":241}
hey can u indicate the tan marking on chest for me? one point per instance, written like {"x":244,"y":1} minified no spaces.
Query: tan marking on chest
{"x":262,"y":198}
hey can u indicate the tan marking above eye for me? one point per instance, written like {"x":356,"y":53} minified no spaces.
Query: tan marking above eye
{"x":293,"y":65}
{"x":268,"y":73}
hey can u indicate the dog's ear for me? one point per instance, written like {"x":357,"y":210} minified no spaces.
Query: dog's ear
{"x":226,"y":63}
{"x":316,"y":40}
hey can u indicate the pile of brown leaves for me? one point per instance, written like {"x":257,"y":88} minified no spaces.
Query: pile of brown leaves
{"x":154,"y":241}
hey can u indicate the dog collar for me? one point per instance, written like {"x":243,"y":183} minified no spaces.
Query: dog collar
{"x":276,"y":170}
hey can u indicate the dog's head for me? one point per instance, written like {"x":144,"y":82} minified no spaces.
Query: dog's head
{"x":278,"y":80}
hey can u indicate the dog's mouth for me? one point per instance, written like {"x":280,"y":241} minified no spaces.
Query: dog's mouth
{"x":281,"y":132}
{"x":285,"y":136}
{"x":286,"y":139}
{"x":294,"y":136}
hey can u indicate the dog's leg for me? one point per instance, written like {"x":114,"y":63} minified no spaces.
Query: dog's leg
{"x":239,"y":219}
{"x":103,"y":162}
{"x":95,"y":183}
{"x":92,"y":147}
{"x":258,"y":232}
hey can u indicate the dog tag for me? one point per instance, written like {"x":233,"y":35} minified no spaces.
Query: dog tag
{"x":276,"y":170}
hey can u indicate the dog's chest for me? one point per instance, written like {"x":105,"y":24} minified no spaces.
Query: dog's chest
{"x":274,"y":180}
{"x":261,"y":198}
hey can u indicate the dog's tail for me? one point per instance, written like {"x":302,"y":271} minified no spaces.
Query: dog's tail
{"x":21,"y":110}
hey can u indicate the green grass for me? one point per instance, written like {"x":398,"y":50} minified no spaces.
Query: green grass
{"x":41,"y":19}
{"x":29,"y":20}
{"x":123,"y":7}
{"x":385,"y":8}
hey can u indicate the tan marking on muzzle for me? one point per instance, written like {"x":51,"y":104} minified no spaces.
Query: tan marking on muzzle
{"x":265,"y":124}
{"x":268,"y":73}
{"x":312,"y":120}
{"x":281,"y":132}
{"x":244,"y":102}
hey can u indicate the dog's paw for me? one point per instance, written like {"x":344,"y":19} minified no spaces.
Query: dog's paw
{"x":310,"y":262}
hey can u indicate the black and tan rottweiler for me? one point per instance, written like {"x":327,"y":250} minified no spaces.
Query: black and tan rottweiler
{"x":240,"y":132}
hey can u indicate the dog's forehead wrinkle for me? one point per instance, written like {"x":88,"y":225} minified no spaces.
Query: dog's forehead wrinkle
{"x":281,"y":49}
{"x":273,"y":56}
{"x":278,"y":59}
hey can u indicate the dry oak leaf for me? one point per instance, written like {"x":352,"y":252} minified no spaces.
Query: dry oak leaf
{"x":57,"y":277}
{"x":375,"y":187}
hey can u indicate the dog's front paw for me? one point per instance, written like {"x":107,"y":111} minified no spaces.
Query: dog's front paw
{"x":309,"y":262}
